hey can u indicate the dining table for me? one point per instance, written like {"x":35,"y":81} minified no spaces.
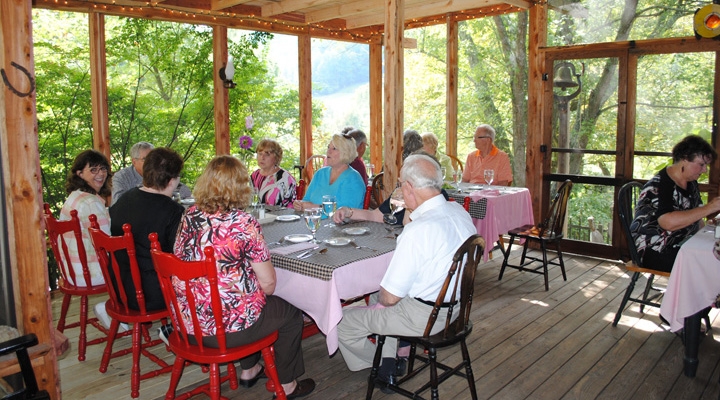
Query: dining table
{"x":693,"y":286}
{"x":495,"y":209}
{"x":348,"y":262}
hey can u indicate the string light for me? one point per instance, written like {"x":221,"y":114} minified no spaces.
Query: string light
{"x":251,"y":21}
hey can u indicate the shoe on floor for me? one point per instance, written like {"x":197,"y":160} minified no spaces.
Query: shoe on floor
{"x":302,"y":389}
{"x":248,"y":383}
{"x":164,"y":332}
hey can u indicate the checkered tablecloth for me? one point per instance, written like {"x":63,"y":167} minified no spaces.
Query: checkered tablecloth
{"x":321,"y":266}
{"x":477,"y":208}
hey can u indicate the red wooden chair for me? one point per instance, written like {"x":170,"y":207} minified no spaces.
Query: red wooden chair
{"x":185,"y":273}
{"x":300,"y":191}
{"x":368,"y":197}
{"x":107,"y":248}
{"x":67,"y":283}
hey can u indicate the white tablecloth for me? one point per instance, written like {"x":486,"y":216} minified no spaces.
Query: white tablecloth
{"x":694,"y":282}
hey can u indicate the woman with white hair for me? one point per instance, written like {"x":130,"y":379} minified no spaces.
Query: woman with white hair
{"x":337,"y":178}
{"x":430,"y":146}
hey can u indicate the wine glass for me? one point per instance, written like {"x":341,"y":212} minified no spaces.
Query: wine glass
{"x":329,"y":206}
{"x":312,"y":221}
{"x":489,"y":175}
{"x":397,"y":204}
{"x":370,"y":168}
{"x":456,"y":179}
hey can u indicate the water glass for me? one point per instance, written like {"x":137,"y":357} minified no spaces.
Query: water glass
{"x":489,"y":175}
{"x":312,"y":221}
{"x":329,"y":206}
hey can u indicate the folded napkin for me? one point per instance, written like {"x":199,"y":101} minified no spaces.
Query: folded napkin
{"x":285,"y":250}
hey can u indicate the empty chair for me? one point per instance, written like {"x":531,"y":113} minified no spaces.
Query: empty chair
{"x":456,"y":163}
{"x":547,"y":232}
{"x":20,"y":347}
{"x":117,"y":307}
{"x":312,"y":165}
{"x":68,"y":285}
{"x":462,"y":287}
{"x":176,"y":277}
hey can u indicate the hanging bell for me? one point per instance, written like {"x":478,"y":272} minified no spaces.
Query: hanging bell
{"x":564,"y":76}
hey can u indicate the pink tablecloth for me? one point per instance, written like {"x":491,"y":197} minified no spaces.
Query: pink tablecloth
{"x":321,"y":299}
{"x":506,"y":208}
{"x":694,"y":282}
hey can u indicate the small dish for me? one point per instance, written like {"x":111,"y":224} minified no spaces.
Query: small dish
{"x":187,"y":202}
{"x":298,"y":238}
{"x":287,"y":218}
{"x":338,"y":241}
{"x":355,"y":231}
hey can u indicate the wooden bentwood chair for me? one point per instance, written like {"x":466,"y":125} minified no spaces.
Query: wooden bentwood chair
{"x":548,"y":232}
{"x":312,"y":165}
{"x":67,"y":283}
{"x":628,"y":196}
{"x":187,"y":275}
{"x":117,"y":308}
{"x":465,"y":263}
{"x":456,"y":163}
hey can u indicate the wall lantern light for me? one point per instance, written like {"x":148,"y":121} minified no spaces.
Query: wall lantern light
{"x":227,"y":73}
{"x":706,"y":22}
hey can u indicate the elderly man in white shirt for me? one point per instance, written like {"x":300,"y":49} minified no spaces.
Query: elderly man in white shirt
{"x":413,"y":280}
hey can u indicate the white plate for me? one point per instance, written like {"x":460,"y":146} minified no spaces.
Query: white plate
{"x":338,"y":241}
{"x":187,"y":202}
{"x":287,"y":218}
{"x":298,"y":238}
{"x":358,"y":230}
{"x":474,"y":187}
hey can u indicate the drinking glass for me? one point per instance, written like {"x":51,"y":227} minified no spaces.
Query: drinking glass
{"x":329,"y":206}
{"x":443,"y":171}
{"x":370,"y":168}
{"x":489,"y":175}
{"x":397,"y":204}
{"x":456,"y":179}
{"x":312,"y":221}
{"x":255,"y":197}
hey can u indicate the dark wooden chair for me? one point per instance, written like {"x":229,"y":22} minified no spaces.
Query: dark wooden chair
{"x":117,"y":308}
{"x":456,"y":163}
{"x":465,"y":263}
{"x":20,"y":347}
{"x":550,"y":231}
{"x":68,"y":283}
{"x":171,"y":269}
{"x":378,"y":187}
{"x":628,"y":196}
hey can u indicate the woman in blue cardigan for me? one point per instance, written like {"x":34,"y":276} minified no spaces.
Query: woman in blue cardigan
{"x":336,"y":178}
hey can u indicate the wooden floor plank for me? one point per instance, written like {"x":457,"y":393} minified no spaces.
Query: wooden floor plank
{"x":527,"y":343}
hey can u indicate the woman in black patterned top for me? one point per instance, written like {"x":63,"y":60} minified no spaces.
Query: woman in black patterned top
{"x":669,"y":208}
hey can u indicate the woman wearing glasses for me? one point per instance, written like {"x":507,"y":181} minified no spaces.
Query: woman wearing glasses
{"x":88,"y":184}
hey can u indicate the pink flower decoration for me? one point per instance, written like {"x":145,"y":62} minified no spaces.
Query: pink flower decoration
{"x":245,"y":142}
{"x":249,"y":122}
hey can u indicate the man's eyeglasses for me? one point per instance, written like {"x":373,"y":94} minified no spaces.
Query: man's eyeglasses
{"x":97,"y":170}
{"x":483,"y":137}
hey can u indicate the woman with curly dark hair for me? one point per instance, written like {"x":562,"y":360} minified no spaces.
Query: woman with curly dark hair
{"x":88,"y":184}
{"x":669,"y":208}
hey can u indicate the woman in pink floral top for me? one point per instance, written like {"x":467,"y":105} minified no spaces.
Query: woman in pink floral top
{"x":245,"y":274}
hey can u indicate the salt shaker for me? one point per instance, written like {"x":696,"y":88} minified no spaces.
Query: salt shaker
{"x":717,"y":231}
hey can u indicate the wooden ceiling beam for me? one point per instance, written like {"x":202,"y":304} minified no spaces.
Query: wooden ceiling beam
{"x":438,"y":8}
{"x":285,"y":6}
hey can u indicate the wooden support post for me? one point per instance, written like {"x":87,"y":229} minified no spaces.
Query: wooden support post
{"x":98,"y":84}
{"x":376,"y":106}
{"x":305,"y":89}
{"x":451,"y":102}
{"x":19,"y":152}
{"x":222,"y":96}
{"x":394,"y":92}
{"x":536,"y":160}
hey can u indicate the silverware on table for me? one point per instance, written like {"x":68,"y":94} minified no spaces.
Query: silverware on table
{"x":357,"y":246}
{"x":313,"y":252}
{"x":306,"y":252}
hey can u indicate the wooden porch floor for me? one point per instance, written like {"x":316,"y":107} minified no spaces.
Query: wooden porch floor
{"x":527,"y":344}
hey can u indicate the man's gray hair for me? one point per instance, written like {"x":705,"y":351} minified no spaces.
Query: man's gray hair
{"x":138,"y":147}
{"x":422,"y":172}
{"x":358,"y":135}
{"x":412,"y":142}
{"x":489,"y":130}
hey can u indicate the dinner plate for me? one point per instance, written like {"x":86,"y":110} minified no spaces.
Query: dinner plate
{"x":298,"y":238}
{"x":187,"y":202}
{"x":338,"y":241}
{"x":474,"y":187}
{"x":357,"y":230}
{"x":287,"y":218}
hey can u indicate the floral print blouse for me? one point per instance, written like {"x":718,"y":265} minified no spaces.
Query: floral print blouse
{"x":278,"y":189}
{"x":237,"y":240}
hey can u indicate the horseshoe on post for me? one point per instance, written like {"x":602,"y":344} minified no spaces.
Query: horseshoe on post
{"x":11,"y":87}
